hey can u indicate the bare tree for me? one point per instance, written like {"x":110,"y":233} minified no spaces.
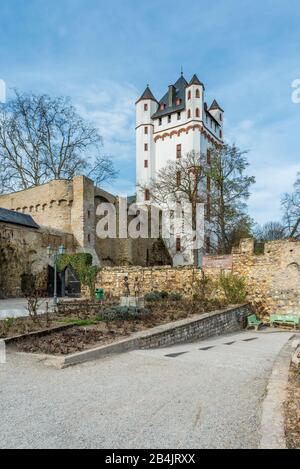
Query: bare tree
{"x":270,"y":231}
{"x":180,"y":182}
{"x":43,"y":138}
{"x":229,"y":190}
{"x":291,"y":206}
{"x":217,"y":180}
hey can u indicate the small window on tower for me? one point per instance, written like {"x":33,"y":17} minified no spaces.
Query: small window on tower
{"x":178,"y":151}
{"x":146,"y":163}
{"x":221,"y":117}
{"x":197,"y":112}
{"x":189,"y":95}
{"x":178,"y":178}
{"x":160,"y":121}
{"x":221,"y":134}
{"x":178,"y":245}
{"x":169,"y":119}
{"x":146,"y":130}
{"x":178,"y":101}
{"x":145,"y":107}
{"x":189,"y":114}
{"x":178,"y":116}
{"x":146,"y":146}
{"x":162,"y":107}
{"x":147,"y":195}
{"x":197,"y":93}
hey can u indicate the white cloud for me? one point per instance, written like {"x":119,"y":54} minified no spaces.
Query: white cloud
{"x":111,"y":107}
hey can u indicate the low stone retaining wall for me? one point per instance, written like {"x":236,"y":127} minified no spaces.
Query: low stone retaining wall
{"x":207,"y":325}
{"x":198,"y":327}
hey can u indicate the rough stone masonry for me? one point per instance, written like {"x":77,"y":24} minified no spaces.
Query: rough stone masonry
{"x":272,"y":278}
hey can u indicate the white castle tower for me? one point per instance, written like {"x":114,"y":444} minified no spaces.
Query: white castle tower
{"x":168,"y":129}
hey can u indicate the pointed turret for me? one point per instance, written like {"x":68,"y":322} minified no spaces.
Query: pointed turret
{"x":217,"y":112}
{"x":215,"y":106}
{"x":147,"y":95}
{"x":195,"y":81}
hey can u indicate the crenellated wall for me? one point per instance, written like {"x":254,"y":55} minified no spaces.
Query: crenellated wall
{"x":70,"y":207}
{"x":49,"y":204}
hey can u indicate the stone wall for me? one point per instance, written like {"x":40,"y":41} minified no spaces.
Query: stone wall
{"x":165,"y":278}
{"x":71,"y":207}
{"x":49,"y":204}
{"x":24,"y":251}
{"x":205,"y":326}
{"x":272,"y":279}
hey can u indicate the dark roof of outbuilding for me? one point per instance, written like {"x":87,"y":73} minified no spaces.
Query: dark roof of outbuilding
{"x":16,"y":218}
{"x":147,"y":95}
{"x":179,"y":92}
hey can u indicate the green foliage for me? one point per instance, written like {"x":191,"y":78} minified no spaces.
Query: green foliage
{"x":77,"y":261}
{"x":28,"y":283}
{"x":153,"y":296}
{"x":175,"y":296}
{"x":234,"y":288}
{"x":81,"y":263}
{"x":203,"y":288}
{"x":122,"y":313}
{"x":162,"y":295}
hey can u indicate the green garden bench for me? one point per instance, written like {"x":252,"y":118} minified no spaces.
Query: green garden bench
{"x":288,"y":319}
{"x":253,"y":322}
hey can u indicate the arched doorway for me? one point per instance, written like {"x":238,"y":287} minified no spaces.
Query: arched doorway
{"x":72,"y":284}
{"x":67,"y":283}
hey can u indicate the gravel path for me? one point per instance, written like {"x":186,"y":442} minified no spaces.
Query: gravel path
{"x":180,"y":397}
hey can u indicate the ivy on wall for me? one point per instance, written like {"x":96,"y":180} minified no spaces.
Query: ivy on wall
{"x":82,"y":264}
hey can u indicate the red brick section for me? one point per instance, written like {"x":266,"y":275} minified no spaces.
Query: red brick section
{"x":218,"y":262}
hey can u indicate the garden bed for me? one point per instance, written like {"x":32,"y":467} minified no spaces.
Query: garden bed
{"x":292,"y":410}
{"x":91,"y":331}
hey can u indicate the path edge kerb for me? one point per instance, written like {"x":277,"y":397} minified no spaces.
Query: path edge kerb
{"x":273,"y":419}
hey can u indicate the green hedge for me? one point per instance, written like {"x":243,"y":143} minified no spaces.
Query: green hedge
{"x":82,"y":264}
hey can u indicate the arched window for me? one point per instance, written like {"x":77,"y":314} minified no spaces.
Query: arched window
{"x":189,"y":95}
{"x":197,"y":112}
{"x":147,"y":195}
{"x":197,"y":93}
{"x":189,"y":114}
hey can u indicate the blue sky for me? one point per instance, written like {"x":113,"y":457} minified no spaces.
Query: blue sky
{"x":103,"y":54}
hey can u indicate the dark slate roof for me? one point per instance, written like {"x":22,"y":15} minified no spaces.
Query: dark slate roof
{"x":179,"y":92}
{"x":215,"y":105}
{"x":16,"y":218}
{"x":195,"y":81}
{"x":147,"y":95}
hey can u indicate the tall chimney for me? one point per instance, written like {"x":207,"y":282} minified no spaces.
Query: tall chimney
{"x":171,"y":95}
